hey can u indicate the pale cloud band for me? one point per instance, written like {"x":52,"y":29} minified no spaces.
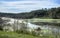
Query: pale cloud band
{"x":25,"y":6}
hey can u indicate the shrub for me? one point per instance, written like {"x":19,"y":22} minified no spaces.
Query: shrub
{"x":23,"y":31}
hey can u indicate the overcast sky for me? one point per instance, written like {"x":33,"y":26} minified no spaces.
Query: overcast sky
{"x":17,"y":6}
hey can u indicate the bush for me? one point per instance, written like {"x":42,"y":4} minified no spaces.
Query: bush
{"x":23,"y":31}
{"x":35,"y":33}
{"x":19,"y":31}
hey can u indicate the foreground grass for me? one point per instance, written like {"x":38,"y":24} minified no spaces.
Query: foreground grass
{"x":16,"y":35}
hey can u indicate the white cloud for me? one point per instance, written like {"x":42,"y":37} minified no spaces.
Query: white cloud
{"x":25,"y":6}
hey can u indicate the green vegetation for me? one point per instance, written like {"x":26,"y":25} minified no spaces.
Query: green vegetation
{"x":16,"y":35}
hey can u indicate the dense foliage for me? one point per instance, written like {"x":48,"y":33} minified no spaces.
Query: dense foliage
{"x":41,"y":13}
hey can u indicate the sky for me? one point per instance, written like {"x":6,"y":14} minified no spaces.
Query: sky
{"x":18,"y":6}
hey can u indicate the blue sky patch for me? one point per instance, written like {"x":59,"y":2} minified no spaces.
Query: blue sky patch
{"x":17,"y":6}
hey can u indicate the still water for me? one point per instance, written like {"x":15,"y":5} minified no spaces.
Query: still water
{"x":49,"y":28}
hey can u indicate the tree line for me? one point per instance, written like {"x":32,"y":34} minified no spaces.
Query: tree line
{"x":53,"y":13}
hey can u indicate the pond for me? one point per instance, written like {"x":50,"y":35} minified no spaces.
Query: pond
{"x":47,"y":29}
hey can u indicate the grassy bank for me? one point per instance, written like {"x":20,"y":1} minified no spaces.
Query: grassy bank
{"x":45,"y":20}
{"x":16,"y":35}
